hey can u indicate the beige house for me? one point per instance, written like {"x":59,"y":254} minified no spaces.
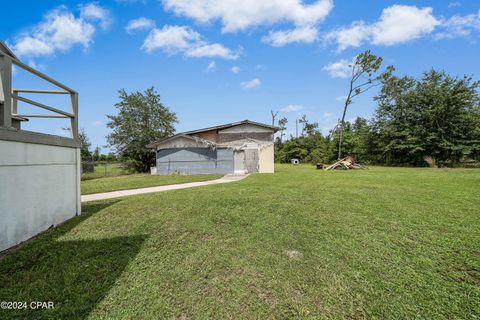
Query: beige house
{"x":240,"y":147}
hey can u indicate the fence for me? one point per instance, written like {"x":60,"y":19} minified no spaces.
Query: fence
{"x":103,"y":169}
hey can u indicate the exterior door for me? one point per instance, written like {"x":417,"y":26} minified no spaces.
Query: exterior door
{"x":239,"y":161}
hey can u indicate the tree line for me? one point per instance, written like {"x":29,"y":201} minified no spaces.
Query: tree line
{"x":436,"y":117}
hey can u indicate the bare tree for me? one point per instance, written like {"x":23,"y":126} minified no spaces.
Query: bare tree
{"x":364,"y":76}
{"x":274,"y":116}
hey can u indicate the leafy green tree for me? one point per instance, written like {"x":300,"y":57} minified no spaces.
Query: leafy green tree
{"x":435,"y":116}
{"x":84,"y":143}
{"x":311,"y":146}
{"x":111,"y":157}
{"x":96,"y":154}
{"x":142,"y":118}
{"x":282,"y":124}
{"x":364,"y":76}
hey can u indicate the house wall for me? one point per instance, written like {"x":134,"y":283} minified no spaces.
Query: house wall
{"x":240,"y":137}
{"x":39,"y":188}
{"x":194,"y":161}
{"x":207,"y":135}
{"x":266,"y":159}
{"x":246,"y":128}
{"x":251,"y":160}
{"x":182,"y":142}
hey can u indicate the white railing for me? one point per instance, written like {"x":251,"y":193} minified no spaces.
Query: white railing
{"x":9,"y":97}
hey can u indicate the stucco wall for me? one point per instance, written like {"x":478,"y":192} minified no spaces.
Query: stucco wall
{"x":194,"y":161}
{"x":266,"y":159}
{"x":239,"y":138}
{"x":39,"y":187}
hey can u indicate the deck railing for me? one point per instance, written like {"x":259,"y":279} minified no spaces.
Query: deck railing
{"x":9,"y":97}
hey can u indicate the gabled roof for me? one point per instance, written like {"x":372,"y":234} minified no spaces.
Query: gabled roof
{"x":155,"y":144}
{"x":6,"y":51}
{"x":187,"y":134}
{"x":233,"y":124}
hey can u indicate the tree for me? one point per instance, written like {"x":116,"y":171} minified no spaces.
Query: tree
{"x":96,"y":153}
{"x":84,"y":144}
{"x":364,"y":76}
{"x":282,"y":124}
{"x":435,"y":116}
{"x":142,"y":118}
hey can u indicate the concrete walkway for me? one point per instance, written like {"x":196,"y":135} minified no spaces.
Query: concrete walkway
{"x":122,"y":193}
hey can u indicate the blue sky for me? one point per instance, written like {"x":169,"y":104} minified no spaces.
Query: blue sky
{"x":217,"y":61}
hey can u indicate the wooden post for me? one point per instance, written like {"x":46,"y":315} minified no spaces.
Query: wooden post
{"x":6,"y":77}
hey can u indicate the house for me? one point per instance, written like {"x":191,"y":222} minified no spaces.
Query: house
{"x":240,"y":147}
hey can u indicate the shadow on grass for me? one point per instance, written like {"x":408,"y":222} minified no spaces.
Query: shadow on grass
{"x":74,"y":275}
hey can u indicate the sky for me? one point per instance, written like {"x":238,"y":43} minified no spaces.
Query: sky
{"x":221,"y":61}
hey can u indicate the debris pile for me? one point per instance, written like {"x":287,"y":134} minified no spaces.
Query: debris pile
{"x":345,"y":163}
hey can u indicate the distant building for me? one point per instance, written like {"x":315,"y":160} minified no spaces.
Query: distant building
{"x":240,"y":147}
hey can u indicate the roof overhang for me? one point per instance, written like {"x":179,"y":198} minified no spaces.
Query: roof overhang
{"x":234,"y":124}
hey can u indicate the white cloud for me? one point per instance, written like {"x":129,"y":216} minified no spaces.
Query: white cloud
{"x":241,"y":15}
{"x":306,"y":34}
{"x":454,"y":4}
{"x":235,"y":69}
{"x":328,"y":115}
{"x":400,"y":24}
{"x":352,"y":36}
{"x":141,"y":23}
{"x":339,"y":69}
{"x":212,"y":66}
{"x":171,"y":39}
{"x":212,"y":50}
{"x":36,"y":66}
{"x":92,"y":11}
{"x":97,"y":123}
{"x":397,"y":24}
{"x":59,"y":30}
{"x":292,"y":108}
{"x":341,"y":98}
{"x":460,"y":26}
{"x":255,"y":83}
{"x":182,"y":39}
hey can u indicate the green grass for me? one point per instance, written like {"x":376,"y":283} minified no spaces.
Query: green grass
{"x":102,"y":170}
{"x":135,"y":181}
{"x":384,"y":243}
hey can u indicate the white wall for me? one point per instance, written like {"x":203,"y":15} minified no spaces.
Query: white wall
{"x":266,"y":159}
{"x":39,"y":187}
{"x":246,"y":128}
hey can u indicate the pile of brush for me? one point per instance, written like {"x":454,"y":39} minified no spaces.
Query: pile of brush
{"x":345,"y":164}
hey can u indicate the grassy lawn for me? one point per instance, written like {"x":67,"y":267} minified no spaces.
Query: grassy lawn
{"x":102,"y":170}
{"x":385,"y":243}
{"x":135,"y":181}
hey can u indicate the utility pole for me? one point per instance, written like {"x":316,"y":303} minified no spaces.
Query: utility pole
{"x":296,"y":128}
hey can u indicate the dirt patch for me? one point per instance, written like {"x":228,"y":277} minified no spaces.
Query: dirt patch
{"x":294,"y":254}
